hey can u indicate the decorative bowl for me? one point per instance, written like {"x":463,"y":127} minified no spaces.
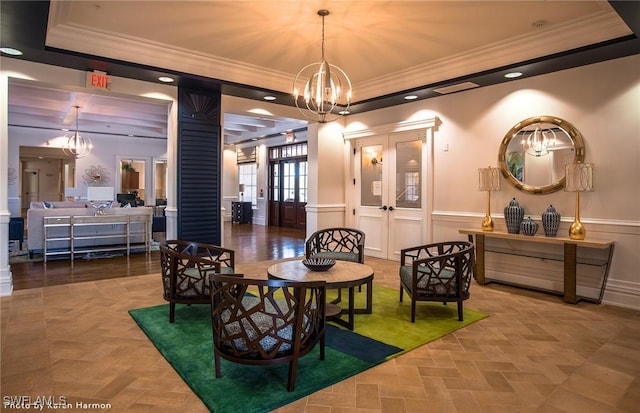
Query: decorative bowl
{"x":319,"y":264}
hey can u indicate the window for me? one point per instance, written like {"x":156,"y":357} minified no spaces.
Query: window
{"x":247,"y":176}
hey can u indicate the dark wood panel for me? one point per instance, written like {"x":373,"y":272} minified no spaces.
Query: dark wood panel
{"x":199,"y":166}
{"x":288,"y":214}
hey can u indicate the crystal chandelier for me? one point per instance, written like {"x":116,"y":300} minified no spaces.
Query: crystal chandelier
{"x":76,"y":146}
{"x":326,"y":89}
{"x":538,"y":142}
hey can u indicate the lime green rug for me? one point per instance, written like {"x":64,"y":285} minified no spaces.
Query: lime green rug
{"x":187,"y":345}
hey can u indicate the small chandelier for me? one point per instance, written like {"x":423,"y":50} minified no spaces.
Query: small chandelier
{"x":326,"y":88}
{"x":76,"y":146}
{"x":538,"y":142}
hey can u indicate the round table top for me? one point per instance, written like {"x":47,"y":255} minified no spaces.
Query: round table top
{"x":343,"y":274}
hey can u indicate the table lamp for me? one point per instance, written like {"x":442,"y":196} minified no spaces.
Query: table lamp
{"x":579,"y":178}
{"x":489,"y":180}
{"x":241,"y":190}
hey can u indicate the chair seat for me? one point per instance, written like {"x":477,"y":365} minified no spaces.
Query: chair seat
{"x":336,"y":255}
{"x":261,"y":323}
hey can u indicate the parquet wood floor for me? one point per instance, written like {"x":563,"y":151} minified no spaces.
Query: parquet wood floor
{"x":532,"y":354}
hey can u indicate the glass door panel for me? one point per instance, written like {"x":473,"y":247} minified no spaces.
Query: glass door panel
{"x":371,"y":175}
{"x":408,"y":174}
{"x":302,"y":181}
{"x":289,"y":181}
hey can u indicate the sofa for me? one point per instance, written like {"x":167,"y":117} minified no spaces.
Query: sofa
{"x":95,"y":235}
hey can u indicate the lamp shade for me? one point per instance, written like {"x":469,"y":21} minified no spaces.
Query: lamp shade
{"x":488,"y":179}
{"x":241,"y":188}
{"x":579,"y":177}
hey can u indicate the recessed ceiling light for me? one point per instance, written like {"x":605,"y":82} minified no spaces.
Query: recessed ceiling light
{"x":10,"y":51}
{"x":165,"y":79}
{"x":344,"y":112}
{"x":269,"y":98}
{"x":411,"y":97}
{"x":513,"y":75}
{"x":254,"y":139}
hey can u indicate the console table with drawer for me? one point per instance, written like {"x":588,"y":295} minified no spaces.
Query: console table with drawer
{"x":87,"y":234}
{"x":597,"y":256}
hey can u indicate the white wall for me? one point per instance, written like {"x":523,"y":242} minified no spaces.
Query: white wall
{"x":602,"y":101}
{"x":106,"y":152}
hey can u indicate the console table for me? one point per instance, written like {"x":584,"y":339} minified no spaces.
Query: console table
{"x":68,"y":227}
{"x":570,"y":248}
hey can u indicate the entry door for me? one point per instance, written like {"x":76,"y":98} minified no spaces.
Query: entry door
{"x":391,"y":193}
{"x":288,"y":197}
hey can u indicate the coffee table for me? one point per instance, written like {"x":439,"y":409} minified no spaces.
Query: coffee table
{"x":344,"y":274}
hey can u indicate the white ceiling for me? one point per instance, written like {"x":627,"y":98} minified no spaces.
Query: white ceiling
{"x":384,"y":46}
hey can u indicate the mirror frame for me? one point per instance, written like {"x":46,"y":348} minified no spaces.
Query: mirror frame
{"x":578,"y":146}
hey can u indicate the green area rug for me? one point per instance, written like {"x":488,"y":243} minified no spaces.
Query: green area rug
{"x":187,"y":345}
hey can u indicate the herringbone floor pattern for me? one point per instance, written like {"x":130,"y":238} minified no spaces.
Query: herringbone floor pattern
{"x":532,"y":354}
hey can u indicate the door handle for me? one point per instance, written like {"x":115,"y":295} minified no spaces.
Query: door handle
{"x":391,"y":208}
{"x":384,"y":207}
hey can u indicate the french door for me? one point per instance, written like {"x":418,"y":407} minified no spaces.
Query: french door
{"x":391,"y":191}
{"x":288,"y":193}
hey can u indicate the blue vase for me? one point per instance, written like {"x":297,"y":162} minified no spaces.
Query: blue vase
{"x":529,"y":227}
{"x":513,"y":216}
{"x":550,"y":221}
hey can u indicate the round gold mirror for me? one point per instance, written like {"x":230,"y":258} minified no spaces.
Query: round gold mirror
{"x":534,"y":152}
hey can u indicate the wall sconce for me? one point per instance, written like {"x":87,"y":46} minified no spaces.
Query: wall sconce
{"x":579,"y":178}
{"x":241,"y":190}
{"x":374,"y":158}
{"x":488,"y":180}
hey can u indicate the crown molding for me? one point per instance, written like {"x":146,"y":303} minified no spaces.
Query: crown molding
{"x":600,"y":26}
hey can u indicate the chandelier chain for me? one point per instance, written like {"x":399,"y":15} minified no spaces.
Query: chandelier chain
{"x":322,"y":36}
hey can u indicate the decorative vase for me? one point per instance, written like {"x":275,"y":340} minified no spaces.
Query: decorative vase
{"x":529,"y":227}
{"x":550,"y":221}
{"x":513,"y":216}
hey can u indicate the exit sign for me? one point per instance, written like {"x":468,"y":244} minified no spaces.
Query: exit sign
{"x":98,"y":80}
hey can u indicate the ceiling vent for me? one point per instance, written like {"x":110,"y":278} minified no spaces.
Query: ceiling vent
{"x":455,"y":88}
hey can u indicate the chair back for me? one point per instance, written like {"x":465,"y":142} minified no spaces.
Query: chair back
{"x":266,"y":321}
{"x":346,"y":244}
{"x":186,"y":267}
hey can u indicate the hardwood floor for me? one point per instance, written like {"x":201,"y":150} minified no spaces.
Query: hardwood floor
{"x":251,"y":242}
{"x":533,"y":354}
